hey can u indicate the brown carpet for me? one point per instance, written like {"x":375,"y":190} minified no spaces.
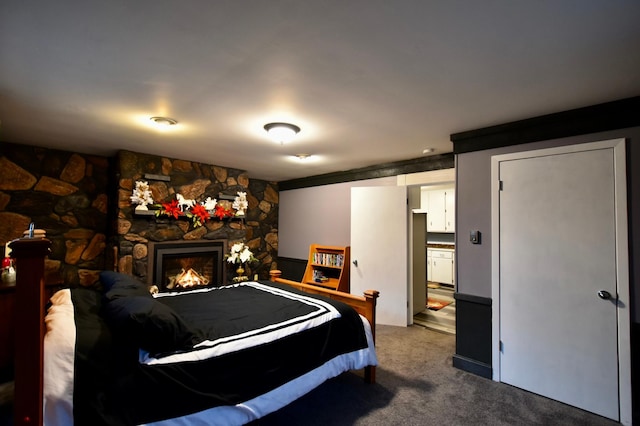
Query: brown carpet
{"x":417,"y":385}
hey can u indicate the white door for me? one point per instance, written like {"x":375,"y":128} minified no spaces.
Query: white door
{"x":379,"y":246}
{"x":558,"y":246}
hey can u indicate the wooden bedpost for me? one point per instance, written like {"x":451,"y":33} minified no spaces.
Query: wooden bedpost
{"x":371,"y":297}
{"x":29,"y":254}
{"x":274,"y":274}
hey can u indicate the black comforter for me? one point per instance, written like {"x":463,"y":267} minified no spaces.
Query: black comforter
{"x":112,"y":387}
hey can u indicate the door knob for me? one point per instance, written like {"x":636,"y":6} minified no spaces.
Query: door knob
{"x":355,"y":263}
{"x":604,"y":294}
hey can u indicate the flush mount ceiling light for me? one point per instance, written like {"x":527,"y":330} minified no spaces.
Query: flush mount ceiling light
{"x":428,"y":150}
{"x":164,"y":121}
{"x":282,"y":132}
{"x":302,"y":157}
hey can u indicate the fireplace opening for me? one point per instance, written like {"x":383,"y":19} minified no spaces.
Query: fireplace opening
{"x":183,"y":265}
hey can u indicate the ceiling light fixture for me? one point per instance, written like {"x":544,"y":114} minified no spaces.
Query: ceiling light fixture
{"x":428,"y":150}
{"x":302,"y":157}
{"x":164,"y":121}
{"x":282,"y":132}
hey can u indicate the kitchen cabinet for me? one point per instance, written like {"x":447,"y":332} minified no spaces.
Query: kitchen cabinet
{"x":440,"y":207}
{"x":450,"y":210}
{"x":436,"y":210}
{"x":442,"y":266}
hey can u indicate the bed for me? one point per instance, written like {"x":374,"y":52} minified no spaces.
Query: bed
{"x":220,"y":355}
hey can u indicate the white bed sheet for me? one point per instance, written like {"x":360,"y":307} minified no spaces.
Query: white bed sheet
{"x":59,"y":346}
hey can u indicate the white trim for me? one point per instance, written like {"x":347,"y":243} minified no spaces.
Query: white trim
{"x":622,"y":259}
{"x":427,"y":178}
{"x":622,"y":265}
{"x":495,"y":267}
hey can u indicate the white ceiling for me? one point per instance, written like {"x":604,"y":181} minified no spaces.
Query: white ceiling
{"x":368,"y":81}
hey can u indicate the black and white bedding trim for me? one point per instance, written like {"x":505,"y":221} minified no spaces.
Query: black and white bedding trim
{"x":322,"y":312}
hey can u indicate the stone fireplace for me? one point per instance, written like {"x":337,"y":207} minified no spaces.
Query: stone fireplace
{"x":139,"y":236}
{"x":178,"y":265}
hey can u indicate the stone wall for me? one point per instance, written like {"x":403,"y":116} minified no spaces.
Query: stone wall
{"x":82,"y":202}
{"x":63,"y":193}
{"x":259,"y":229}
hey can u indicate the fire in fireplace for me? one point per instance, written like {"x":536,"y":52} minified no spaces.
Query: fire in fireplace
{"x":178,"y":265}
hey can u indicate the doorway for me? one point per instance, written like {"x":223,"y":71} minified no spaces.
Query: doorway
{"x":560,"y":275}
{"x":380,"y":257}
{"x":434,"y":256}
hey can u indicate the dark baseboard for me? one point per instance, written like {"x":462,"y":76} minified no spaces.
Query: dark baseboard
{"x":472,"y":366}
{"x":292,"y":269}
{"x":473,"y":299}
{"x":473,"y":333}
{"x":635,"y":372}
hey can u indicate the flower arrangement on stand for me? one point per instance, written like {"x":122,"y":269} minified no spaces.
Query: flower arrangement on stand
{"x":241,"y":204}
{"x":141,"y":195}
{"x":239,"y":255}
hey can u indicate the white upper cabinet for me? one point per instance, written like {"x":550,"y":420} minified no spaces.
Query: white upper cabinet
{"x":450,"y":210}
{"x":440,"y":207}
{"x":436,"y":220}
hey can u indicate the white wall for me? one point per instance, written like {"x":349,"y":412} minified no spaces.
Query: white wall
{"x":322,"y":214}
{"x":318,"y":215}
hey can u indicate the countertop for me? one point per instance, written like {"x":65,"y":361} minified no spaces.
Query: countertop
{"x":441,"y":246}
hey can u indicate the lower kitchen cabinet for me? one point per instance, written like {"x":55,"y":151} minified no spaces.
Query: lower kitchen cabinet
{"x":441,"y":266}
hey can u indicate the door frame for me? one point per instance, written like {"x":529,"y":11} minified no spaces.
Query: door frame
{"x":432,"y":177}
{"x":622,"y":258}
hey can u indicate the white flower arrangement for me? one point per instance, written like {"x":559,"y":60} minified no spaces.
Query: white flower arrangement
{"x":210,"y":204}
{"x":241,"y":204}
{"x":141,"y":195}
{"x":240,"y":254}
